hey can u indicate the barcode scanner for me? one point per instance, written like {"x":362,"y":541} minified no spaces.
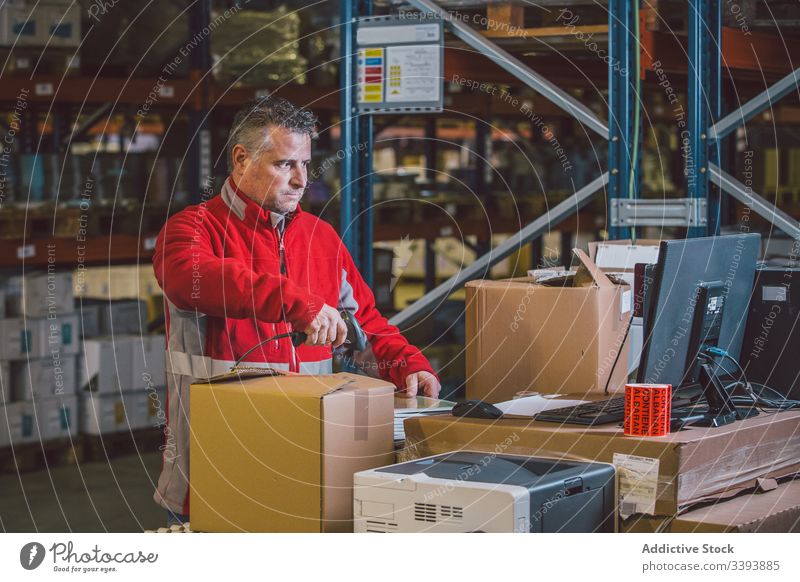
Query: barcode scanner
{"x":356,"y":339}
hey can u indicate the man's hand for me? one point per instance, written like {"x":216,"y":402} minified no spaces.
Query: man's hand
{"x":327,"y":327}
{"x":423,"y":382}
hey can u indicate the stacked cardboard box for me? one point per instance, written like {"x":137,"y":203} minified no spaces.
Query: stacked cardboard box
{"x":120,"y":377}
{"x":39,"y":344}
{"x":57,"y":373}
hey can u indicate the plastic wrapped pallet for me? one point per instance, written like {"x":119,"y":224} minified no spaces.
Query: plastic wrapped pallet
{"x":254,"y":48}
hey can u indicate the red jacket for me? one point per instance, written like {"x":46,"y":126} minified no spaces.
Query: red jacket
{"x":232,"y":277}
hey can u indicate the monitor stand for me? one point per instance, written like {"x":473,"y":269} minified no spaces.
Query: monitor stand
{"x":721,"y":410}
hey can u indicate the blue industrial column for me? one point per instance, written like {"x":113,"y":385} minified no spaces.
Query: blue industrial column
{"x":623,"y":104}
{"x":705,"y":53}
{"x":356,"y":147}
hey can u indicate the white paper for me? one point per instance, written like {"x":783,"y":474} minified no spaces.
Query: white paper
{"x":418,"y":406}
{"x":414,"y":73}
{"x":531,"y":405}
{"x":625,"y":256}
{"x":638,"y":484}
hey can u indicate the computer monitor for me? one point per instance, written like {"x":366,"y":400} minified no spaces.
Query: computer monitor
{"x":684,"y":272}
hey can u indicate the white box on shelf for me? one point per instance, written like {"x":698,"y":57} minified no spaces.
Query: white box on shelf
{"x":57,"y":417}
{"x":106,"y":364}
{"x":17,"y":424}
{"x":110,"y":413}
{"x":149,"y":357}
{"x":44,"y":378}
{"x":40,"y":294}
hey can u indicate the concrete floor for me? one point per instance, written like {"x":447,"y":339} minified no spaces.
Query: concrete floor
{"x":115,"y":496}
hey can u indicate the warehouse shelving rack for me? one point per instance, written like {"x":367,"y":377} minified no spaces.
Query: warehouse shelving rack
{"x":700,"y":212}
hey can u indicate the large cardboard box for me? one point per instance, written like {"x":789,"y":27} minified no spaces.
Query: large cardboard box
{"x":523,"y":335}
{"x":23,"y":338}
{"x":122,"y":411}
{"x":89,"y":317}
{"x":106,"y":365}
{"x":116,"y":282}
{"x":57,"y":417}
{"x":40,"y":294}
{"x":657,"y":475}
{"x":44,"y":377}
{"x":128,"y":316}
{"x":773,"y":511}
{"x":17,"y":424}
{"x":278,"y":453}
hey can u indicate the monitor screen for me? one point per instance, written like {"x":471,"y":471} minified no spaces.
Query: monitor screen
{"x":684,"y":265}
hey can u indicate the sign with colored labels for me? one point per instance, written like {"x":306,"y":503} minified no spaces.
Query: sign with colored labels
{"x":400,"y":65}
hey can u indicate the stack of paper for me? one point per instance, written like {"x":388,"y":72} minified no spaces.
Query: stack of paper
{"x":415,"y":406}
{"x":533,"y":405}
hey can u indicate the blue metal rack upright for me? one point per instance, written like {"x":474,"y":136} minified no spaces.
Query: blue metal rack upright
{"x":700,"y":212}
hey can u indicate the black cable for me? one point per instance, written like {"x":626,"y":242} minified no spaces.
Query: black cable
{"x":258,"y":345}
{"x":619,"y":353}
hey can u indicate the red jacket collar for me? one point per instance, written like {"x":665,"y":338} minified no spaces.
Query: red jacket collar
{"x":254,"y":215}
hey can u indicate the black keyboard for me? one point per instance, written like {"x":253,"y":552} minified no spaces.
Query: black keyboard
{"x":588,"y":413}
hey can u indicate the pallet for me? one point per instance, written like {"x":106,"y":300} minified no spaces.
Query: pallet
{"x":40,"y":456}
{"x":100,"y":448}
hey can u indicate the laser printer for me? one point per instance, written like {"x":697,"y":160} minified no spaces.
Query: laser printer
{"x":466,"y":491}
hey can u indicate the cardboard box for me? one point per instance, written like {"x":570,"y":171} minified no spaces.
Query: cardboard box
{"x":62,"y":25}
{"x":278,"y":453}
{"x":773,"y":511}
{"x":147,"y":362}
{"x":23,"y":338}
{"x":21,"y":26}
{"x":89,"y":318}
{"x":528,"y":336}
{"x":116,"y":282}
{"x":5,"y":381}
{"x":127,"y":316}
{"x":44,"y":378}
{"x":40,"y":295}
{"x":619,"y":257}
{"x":17,"y":424}
{"x":658,"y":475}
{"x":115,"y":412}
{"x":57,"y":417}
{"x":106,"y":365}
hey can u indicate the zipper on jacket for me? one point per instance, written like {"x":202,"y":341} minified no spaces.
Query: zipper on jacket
{"x":281,"y":253}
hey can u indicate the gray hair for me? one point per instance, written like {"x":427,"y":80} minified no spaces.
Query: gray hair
{"x":250,"y":121}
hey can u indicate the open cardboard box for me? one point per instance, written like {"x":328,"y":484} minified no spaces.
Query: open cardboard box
{"x":277,"y":453}
{"x":562,"y":336}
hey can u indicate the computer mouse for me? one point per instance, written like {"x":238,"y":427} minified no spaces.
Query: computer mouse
{"x":477,"y":409}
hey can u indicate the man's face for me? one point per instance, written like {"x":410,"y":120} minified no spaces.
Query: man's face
{"x":277,"y":178}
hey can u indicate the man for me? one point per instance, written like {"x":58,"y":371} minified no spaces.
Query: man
{"x":247,"y":265}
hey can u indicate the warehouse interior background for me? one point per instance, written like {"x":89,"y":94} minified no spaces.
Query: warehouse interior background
{"x":114,"y":116}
